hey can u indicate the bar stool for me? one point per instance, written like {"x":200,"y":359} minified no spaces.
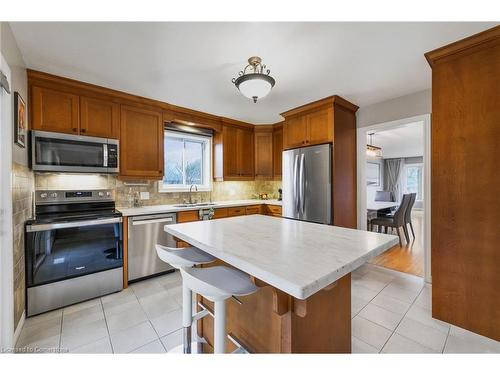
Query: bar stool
{"x":185,"y":258}
{"x":217,"y":284}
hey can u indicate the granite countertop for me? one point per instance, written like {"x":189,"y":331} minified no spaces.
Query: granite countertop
{"x":297,"y":257}
{"x":164,"y":208}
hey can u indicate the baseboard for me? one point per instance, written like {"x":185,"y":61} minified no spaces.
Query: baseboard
{"x":19,"y":327}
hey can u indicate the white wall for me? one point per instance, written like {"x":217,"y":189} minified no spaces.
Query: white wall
{"x":19,"y":80}
{"x":418,"y":103}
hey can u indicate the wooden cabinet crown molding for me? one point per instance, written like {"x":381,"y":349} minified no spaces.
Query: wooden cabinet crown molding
{"x":171,"y":111}
{"x":325,"y":102}
{"x":462,"y":46}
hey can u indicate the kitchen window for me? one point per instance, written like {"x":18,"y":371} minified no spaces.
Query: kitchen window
{"x":412,"y":179}
{"x":188,"y":161}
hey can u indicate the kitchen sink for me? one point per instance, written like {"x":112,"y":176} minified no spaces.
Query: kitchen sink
{"x":205,"y":204}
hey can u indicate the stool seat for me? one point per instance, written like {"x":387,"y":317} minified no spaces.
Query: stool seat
{"x":218,"y":282}
{"x":183,"y":257}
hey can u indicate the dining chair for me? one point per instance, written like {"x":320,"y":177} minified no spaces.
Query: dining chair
{"x":408,"y":213}
{"x":384,"y":196}
{"x":397,"y":221}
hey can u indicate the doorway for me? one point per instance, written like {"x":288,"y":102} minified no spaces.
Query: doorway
{"x":398,"y":164}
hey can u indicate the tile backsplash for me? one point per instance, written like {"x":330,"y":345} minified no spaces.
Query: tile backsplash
{"x":221,"y":191}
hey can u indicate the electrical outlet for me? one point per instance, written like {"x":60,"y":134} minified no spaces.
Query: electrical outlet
{"x":144,"y":195}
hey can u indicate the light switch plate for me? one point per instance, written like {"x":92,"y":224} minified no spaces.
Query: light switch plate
{"x":144,"y":195}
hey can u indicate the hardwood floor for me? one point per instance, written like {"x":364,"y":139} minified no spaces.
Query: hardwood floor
{"x":408,"y":258}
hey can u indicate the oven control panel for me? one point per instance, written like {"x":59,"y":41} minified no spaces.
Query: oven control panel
{"x":67,"y":196}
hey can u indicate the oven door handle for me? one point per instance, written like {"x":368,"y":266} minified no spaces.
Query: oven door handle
{"x":72,"y":224}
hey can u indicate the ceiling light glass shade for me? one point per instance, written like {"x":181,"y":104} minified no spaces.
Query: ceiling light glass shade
{"x":254,"y":85}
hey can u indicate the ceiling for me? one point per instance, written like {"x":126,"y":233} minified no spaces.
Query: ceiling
{"x":401,"y":142}
{"x":192,"y":64}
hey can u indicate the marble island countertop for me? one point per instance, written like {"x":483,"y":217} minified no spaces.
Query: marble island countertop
{"x":297,"y":257}
{"x":165,"y":208}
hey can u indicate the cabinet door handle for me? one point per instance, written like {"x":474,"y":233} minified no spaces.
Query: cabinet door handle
{"x":83,"y":130}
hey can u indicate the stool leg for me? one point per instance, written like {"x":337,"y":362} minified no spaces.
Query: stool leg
{"x":187,"y":318}
{"x":220,"y":327}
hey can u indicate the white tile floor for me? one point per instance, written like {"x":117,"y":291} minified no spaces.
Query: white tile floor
{"x":390,"y":311}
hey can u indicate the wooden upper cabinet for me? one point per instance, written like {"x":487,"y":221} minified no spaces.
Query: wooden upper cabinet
{"x":319,"y":126}
{"x":295,"y":132}
{"x":55,"y":111}
{"x":263,"y":153}
{"x":238,"y":144}
{"x":246,"y":153}
{"x":312,"y":124}
{"x":99,"y":118}
{"x":141,"y":143}
{"x":277,"y":151}
{"x":230,"y":144}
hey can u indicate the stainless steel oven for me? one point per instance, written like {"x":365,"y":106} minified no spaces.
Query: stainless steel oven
{"x":73,"y":249}
{"x":58,"y":152}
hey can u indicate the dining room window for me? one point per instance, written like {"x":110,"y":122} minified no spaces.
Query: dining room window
{"x":413,"y":180}
{"x":188,"y":161}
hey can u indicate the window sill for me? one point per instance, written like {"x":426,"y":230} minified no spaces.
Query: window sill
{"x":183,"y":190}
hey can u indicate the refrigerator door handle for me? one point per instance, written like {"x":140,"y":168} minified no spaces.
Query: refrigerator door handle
{"x":296,"y":183}
{"x":302,"y":184}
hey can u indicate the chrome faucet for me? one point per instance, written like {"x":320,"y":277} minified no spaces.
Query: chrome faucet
{"x":191,"y":193}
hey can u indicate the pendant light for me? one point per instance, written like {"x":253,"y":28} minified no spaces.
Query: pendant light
{"x":371,"y":150}
{"x":254,"y":81}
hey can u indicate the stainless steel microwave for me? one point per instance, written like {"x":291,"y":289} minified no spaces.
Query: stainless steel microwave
{"x":56,"y":152}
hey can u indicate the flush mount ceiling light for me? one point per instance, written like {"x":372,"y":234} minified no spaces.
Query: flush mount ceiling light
{"x":371,"y":150}
{"x":254,"y":81}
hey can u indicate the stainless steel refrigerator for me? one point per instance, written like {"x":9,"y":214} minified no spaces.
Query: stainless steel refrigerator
{"x":307,"y":184}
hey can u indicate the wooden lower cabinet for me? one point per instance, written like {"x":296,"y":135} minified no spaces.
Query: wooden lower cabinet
{"x":236,"y":211}
{"x":141,"y":143}
{"x":253,"y":210}
{"x":220,"y":213}
{"x":273,"y":210}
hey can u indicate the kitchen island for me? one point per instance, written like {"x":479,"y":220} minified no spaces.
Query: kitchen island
{"x":303,"y":269}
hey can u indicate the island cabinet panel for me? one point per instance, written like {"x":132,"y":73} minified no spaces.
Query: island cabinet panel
{"x":270,"y":321}
{"x":263,"y":153}
{"x":54,"y":111}
{"x":99,"y":118}
{"x":277,"y":151}
{"x":141,"y":143}
{"x":238,"y":153}
{"x":465,"y":137}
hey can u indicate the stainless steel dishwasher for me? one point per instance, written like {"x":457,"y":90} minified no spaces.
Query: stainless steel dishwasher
{"x":144,"y":232}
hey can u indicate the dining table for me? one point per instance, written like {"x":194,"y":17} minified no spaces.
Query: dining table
{"x":373,"y":208}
